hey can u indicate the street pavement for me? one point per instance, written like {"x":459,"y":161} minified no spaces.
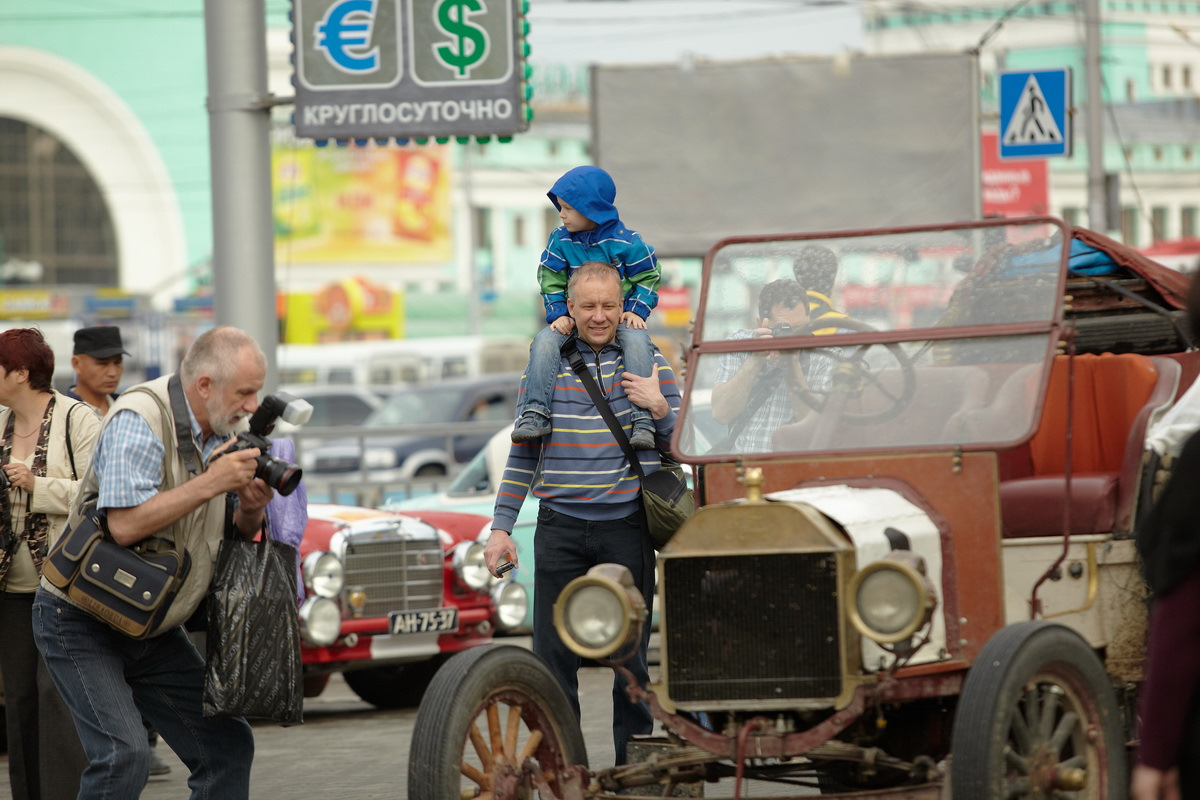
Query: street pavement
{"x":348,"y":748}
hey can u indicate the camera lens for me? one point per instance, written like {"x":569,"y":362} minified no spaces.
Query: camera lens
{"x":280,"y":475}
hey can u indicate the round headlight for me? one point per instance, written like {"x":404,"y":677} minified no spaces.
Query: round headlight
{"x":595,"y":614}
{"x":512,"y":604}
{"x":324,"y":574}
{"x":320,"y":621}
{"x":470,"y":566}
{"x":892,"y":601}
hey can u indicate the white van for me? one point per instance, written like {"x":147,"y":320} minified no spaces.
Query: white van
{"x":391,"y":361}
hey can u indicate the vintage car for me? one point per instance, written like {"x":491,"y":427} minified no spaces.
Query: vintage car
{"x":922,"y":584}
{"x":388,"y":597}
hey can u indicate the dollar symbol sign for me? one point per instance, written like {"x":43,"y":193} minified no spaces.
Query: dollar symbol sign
{"x":470,"y":47}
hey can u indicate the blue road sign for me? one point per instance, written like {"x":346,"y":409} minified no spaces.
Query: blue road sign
{"x":1035,"y":118}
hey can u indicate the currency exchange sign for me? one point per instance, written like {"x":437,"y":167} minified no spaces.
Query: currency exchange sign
{"x":409,"y":68}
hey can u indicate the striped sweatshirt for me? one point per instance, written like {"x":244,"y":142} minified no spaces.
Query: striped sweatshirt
{"x":584,"y":471}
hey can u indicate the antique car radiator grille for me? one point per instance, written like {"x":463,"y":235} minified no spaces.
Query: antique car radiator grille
{"x":755,"y":627}
{"x":396,"y":574}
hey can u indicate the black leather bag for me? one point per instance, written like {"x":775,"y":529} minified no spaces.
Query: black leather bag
{"x":130,"y":588}
{"x":668,"y":502}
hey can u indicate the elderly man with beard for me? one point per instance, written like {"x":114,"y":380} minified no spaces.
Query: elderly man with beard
{"x":173,"y":489}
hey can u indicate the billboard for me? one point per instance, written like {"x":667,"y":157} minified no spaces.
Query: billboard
{"x":705,"y":150}
{"x":361,"y":205}
{"x":409,"y":68}
{"x":1013,"y":188}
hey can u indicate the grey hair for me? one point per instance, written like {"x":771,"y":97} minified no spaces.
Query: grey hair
{"x":593,"y":270}
{"x":215,"y":354}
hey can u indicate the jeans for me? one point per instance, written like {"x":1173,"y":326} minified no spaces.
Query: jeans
{"x":545,"y":359}
{"x":564,"y":548}
{"x":45,"y":758}
{"x":110,"y":681}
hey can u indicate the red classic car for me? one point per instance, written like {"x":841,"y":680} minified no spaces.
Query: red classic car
{"x":388,"y":597}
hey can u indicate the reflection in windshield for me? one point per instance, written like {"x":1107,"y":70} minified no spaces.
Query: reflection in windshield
{"x":939,"y":394}
{"x":896,"y":281}
{"x":947,"y":390}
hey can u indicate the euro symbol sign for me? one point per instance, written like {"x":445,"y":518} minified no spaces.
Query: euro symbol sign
{"x":344,"y":34}
{"x":469,"y":45}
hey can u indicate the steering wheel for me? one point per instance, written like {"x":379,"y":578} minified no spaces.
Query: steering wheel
{"x":851,"y":375}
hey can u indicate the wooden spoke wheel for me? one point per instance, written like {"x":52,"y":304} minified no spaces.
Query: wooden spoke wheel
{"x":1038,"y":719}
{"x":493,"y":720}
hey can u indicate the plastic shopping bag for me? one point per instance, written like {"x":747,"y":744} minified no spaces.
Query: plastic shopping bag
{"x":254,"y":634}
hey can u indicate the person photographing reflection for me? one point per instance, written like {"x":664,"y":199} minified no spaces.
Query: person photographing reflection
{"x":755,"y":393}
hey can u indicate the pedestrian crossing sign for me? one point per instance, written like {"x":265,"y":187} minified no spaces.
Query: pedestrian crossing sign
{"x":1035,"y":113}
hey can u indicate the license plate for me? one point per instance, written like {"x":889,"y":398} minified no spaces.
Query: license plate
{"x":432,"y":620}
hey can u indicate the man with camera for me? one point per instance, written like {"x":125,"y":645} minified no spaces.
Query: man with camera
{"x":160,"y":484}
{"x":755,"y":392}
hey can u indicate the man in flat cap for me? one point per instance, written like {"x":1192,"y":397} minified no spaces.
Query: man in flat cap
{"x":98,"y":364}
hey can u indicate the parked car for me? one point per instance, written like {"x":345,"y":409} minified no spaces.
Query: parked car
{"x":925,"y":586}
{"x":491,"y":398}
{"x":334,"y":405}
{"x":390,"y":596}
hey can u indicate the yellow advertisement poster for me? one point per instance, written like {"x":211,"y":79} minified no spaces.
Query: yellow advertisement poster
{"x":361,"y":204}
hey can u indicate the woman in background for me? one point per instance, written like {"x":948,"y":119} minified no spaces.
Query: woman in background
{"x":46,"y":442}
{"x":1168,"y":759}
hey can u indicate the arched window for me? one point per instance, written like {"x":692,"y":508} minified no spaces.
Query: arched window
{"x":51,"y":210}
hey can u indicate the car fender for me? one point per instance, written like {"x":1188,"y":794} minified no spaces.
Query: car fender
{"x":866,"y":513}
{"x":424,"y":458}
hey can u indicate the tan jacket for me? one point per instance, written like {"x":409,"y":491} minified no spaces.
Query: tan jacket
{"x":199,"y":533}
{"x":54,"y":494}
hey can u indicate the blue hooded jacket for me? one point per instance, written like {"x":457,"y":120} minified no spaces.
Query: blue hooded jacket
{"x":591,"y":192}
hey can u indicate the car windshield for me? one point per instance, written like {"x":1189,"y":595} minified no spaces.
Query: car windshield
{"x":473,"y":478}
{"x":425,"y":405}
{"x":875,"y":340}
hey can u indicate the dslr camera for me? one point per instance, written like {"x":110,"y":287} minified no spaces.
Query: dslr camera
{"x":282,"y":476}
{"x":781,"y":330}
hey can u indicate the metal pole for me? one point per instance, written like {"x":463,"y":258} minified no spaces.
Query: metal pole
{"x":474,"y":306}
{"x":1097,"y":206}
{"x":239,"y":127}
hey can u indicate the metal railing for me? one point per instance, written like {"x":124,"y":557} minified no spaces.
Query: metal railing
{"x":364,"y":486}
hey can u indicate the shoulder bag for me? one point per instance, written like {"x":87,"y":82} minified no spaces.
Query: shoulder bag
{"x":667,"y":501}
{"x":130,"y":588}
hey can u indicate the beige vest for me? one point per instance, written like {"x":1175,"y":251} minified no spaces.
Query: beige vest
{"x":199,"y":533}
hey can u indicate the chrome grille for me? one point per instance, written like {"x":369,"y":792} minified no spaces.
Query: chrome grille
{"x":397,"y":574}
{"x":754,"y":627}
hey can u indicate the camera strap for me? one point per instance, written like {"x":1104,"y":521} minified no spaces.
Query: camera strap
{"x":183,"y":424}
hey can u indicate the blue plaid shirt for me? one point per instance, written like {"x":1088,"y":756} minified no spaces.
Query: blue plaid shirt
{"x":129,"y":458}
{"x":777,"y":409}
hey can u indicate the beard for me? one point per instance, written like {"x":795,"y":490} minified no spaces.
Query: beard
{"x":222,"y":423}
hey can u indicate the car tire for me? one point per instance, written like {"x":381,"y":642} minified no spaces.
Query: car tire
{"x":398,"y":686}
{"x":477,"y":725}
{"x":1037,"y":703}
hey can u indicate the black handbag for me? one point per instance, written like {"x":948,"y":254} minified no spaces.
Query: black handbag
{"x":253,"y":666}
{"x":667,"y":501}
